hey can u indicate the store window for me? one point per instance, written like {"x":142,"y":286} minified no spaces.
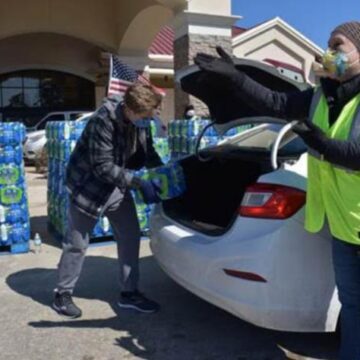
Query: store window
{"x":29,"y":95}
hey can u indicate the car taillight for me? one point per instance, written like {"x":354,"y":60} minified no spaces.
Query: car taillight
{"x":271,"y":201}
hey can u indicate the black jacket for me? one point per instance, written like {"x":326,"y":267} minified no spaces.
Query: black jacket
{"x":108,"y":149}
{"x":296,"y":105}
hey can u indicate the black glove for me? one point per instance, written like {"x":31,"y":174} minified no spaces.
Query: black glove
{"x":222,"y":66}
{"x":312,"y":135}
{"x":150,"y":191}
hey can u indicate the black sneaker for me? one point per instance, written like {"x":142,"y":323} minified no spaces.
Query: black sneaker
{"x":137,"y":301}
{"x":64,"y":305}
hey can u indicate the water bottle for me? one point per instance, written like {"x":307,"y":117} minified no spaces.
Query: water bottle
{"x":2,"y":214}
{"x":66,"y":130}
{"x":16,"y":233}
{"x":37,"y":243}
{"x":170,"y":128}
{"x":97,"y":232}
{"x":18,"y":133}
{"x":79,"y":127}
{"x":9,"y":154}
{"x":54,"y":132}
{"x":153,"y":129}
{"x":185,"y":145}
{"x":184,"y":127}
{"x":48,"y":131}
{"x":18,"y":155}
{"x":50,"y":126}
{"x":105,"y":224}
{"x":7,"y":134}
{"x":72,"y":146}
{"x":4,"y":233}
{"x":177,"y":145}
{"x":15,"y":214}
{"x":203,"y":142}
{"x":67,"y":144}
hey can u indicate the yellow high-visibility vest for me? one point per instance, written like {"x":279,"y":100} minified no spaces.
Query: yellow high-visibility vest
{"x":333,"y":191}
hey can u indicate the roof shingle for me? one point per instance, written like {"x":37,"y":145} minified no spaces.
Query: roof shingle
{"x":163,"y":43}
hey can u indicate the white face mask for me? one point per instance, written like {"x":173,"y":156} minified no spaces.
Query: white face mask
{"x":190,"y":113}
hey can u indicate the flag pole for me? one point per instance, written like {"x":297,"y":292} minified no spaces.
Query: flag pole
{"x":110,"y":73}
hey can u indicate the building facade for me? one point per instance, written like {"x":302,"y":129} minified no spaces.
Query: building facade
{"x":55,"y":53}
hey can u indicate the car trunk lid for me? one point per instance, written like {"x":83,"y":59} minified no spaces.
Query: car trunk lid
{"x":226,"y":109}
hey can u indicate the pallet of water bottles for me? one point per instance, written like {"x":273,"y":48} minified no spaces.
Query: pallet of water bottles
{"x":62,"y":137}
{"x":183,"y":136}
{"x":14,"y":210}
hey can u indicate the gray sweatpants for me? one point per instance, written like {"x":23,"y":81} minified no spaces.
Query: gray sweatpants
{"x":121,"y":212}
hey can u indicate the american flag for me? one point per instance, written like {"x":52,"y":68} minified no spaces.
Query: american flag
{"x":123,"y":75}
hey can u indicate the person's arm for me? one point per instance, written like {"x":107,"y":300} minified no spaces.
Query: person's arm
{"x":345,"y":153}
{"x":101,"y":155}
{"x":152,"y":157}
{"x":284,"y":105}
{"x":289,"y":106}
{"x":340,"y":152}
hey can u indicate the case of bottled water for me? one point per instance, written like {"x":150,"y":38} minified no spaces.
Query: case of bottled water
{"x":14,"y":209}
{"x":183,"y":136}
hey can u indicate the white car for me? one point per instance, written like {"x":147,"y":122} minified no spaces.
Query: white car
{"x":236,"y":237}
{"x":36,"y":140}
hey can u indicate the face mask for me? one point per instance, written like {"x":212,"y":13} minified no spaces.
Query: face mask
{"x":336,"y":62}
{"x":142,"y":123}
{"x":190,"y":113}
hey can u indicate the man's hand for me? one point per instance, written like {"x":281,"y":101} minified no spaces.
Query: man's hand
{"x":150,"y":190}
{"x":223,"y":66}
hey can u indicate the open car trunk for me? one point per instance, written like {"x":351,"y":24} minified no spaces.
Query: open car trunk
{"x":215,"y":188}
{"x":214,"y":192}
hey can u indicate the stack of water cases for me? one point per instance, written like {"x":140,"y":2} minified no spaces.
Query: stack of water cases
{"x":161,"y":144}
{"x":183,"y":135}
{"x":14,"y":210}
{"x":61,"y":140}
{"x":143,"y":211}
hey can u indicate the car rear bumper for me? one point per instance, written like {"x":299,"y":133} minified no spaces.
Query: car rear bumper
{"x":197,"y":262}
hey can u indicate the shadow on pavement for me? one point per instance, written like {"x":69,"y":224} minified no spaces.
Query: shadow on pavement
{"x":186,"y":325}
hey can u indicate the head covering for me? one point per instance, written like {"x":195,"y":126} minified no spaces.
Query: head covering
{"x":351,"y":30}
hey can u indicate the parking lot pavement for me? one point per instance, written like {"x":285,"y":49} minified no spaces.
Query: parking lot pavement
{"x":185,"y":328}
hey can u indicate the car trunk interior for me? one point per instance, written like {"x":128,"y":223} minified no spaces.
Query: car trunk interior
{"x":214,"y":192}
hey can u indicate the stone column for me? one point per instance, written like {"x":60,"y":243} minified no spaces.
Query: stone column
{"x":198,"y":32}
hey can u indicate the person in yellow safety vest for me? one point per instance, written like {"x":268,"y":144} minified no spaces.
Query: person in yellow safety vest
{"x":331,"y":129}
